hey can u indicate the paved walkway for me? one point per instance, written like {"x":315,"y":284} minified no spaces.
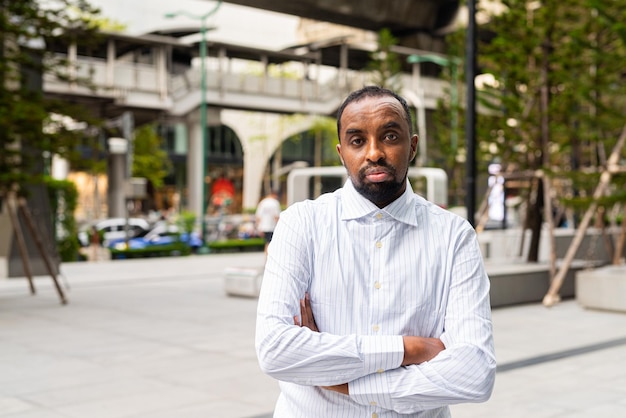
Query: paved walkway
{"x":159,"y":338}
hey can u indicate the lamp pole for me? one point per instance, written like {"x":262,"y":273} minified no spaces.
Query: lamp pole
{"x":203,"y":105}
{"x":470,"y":112}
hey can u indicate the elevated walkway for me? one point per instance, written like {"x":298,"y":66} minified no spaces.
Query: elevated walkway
{"x":142,"y":74}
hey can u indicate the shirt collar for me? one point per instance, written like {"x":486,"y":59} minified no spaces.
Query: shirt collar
{"x":355,"y":206}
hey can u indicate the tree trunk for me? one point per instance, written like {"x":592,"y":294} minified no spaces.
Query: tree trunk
{"x":535,"y":206}
{"x":619,"y":245}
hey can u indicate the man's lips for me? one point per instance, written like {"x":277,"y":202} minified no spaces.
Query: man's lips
{"x":377,"y":175}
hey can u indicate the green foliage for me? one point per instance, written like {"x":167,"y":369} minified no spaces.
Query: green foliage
{"x":572,"y":50}
{"x":384,"y":63}
{"x":101,"y":22}
{"x":237,"y":245}
{"x":30,"y":126}
{"x":150,"y":160}
{"x":325,"y":128}
{"x":582,"y":56}
{"x":302,"y":145}
{"x":63,"y":197}
{"x":186,"y":221}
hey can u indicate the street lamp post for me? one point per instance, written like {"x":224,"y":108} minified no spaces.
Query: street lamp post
{"x":203,"y":105}
{"x":470,"y":112}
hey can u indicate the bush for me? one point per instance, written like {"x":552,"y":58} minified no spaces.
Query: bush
{"x":171,"y":250}
{"x":63,"y":196}
{"x":238,"y":245}
{"x":186,"y":221}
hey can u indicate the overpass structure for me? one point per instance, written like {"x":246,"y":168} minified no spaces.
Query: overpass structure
{"x":417,"y":24}
{"x":156,"y":78}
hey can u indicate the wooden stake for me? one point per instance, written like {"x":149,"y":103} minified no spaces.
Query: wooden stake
{"x":547,"y":207}
{"x":31,"y":226}
{"x":21,"y":242}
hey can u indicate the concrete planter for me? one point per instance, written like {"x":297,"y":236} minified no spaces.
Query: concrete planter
{"x":602,"y":288}
{"x":5,"y":243}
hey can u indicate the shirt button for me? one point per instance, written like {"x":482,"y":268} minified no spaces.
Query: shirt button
{"x":375,"y":328}
{"x":373,"y":403}
{"x":379,"y":216}
{"x":379,"y":244}
{"x":377,"y":285}
{"x":380,"y":371}
{"x":374,"y":415}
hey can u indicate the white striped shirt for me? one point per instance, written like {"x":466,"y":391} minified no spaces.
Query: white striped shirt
{"x":374,"y":275}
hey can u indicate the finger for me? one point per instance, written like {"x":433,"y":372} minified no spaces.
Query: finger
{"x":303,"y":313}
{"x":308,"y":310}
{"x":296,"y":321}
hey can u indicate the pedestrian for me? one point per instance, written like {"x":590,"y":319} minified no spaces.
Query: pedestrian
{"x":267,"y":214}
{"x":374,"y":301}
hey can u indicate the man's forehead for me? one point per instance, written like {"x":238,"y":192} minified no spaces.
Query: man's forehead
{"x":373,"y":104}
{"x":375,"y":99}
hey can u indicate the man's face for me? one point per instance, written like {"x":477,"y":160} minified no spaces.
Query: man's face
{"x":376,"y":147}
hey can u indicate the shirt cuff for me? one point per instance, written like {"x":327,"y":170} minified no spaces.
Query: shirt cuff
{"x":371,"y":390}
{"x":381,"y":353}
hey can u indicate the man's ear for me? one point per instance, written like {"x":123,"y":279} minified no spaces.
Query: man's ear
{"x":414,"y":141}
{"x":340,"y":157}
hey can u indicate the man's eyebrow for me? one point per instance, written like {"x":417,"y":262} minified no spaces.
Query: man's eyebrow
{"x":353,"y":131}
{"x":392,"y":124}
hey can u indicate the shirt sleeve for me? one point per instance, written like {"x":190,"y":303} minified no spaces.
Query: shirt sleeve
{"x":296,"y":354}
{"x":465,"y":370}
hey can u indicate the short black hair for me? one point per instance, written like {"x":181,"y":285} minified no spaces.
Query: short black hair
{"x":372,"y":91}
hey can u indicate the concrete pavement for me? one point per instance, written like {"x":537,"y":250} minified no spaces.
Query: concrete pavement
{"x":159,"y":338}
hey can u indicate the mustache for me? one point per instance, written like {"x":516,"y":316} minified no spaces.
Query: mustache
{"x":373,"y":167}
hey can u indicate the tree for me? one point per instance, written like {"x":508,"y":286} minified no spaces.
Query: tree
{"x":561,"y":90}
{"x":385,"y":64}
{"x":555,"y":105}
{"x":150,"y":160}
{"x":30,"y":126}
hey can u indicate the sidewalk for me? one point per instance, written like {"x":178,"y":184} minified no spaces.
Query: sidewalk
{"x":159,"y":338}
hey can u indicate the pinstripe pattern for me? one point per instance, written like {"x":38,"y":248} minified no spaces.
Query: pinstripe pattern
{"x":374,"y":275}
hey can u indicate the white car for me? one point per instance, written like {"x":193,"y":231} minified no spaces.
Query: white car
{"x":113,"y":228}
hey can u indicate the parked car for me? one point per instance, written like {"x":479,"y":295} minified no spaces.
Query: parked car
{"x":113,"y":229}
{"x":161,"y":237}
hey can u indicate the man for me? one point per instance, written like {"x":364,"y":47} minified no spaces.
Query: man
{"x":267,"y":214}
{"x":375,"y":302}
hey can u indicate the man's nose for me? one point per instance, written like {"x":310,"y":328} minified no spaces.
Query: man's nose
{"x":374,"y":152}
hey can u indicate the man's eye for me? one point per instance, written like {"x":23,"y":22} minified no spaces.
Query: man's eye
{"x":391,"y":137}
{"x":356,"y":141}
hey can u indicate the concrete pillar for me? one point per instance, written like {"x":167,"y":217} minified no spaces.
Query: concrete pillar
{"x":60,"y":167}
{"x":110,"y":64}
{"x":6,"y":240}
{"x":118,"y":148}
{"x":161,"y":69}
{"x":195,"y":175}
{"x":72,"y":57}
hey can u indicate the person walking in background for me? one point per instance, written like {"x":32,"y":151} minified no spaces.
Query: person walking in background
{"x":267,"y":214}
{"x":374,"y":301}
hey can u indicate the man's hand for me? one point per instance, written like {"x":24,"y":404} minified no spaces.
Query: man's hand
{"x":306,"y":313}
{"x":343,"y":388}
{"x":308,"y":321}
{"x":420,"y":349}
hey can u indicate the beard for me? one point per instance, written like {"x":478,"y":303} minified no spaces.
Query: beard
{"x":381,"y":194}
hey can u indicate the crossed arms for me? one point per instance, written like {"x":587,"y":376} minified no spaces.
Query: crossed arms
{"x":416,"y":349}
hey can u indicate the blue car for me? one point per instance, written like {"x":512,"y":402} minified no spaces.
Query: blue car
{"x":161,"y":235}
